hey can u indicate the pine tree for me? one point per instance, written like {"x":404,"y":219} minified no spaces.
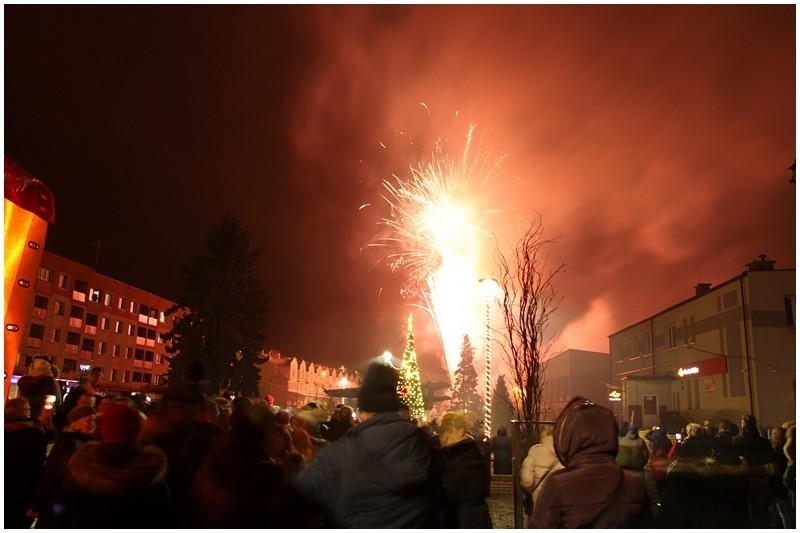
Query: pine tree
{"x":220,"y":313}
{"x":502,"y":406}
{"x":465,"y":388}
{"x":409,"y":387}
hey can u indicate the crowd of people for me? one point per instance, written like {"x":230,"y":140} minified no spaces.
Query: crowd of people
{"x":709,"y":476}
{"x":196,"y":460}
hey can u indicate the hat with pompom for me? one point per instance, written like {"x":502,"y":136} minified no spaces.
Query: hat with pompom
{"x":378,"y":392}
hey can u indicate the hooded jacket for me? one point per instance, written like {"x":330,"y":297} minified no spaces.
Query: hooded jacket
{"x":380,"y":475}
{"x":112,"y":485}
{"x":585,"y":442}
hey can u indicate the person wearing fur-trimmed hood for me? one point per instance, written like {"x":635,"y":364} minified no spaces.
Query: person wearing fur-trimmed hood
{"x":118,"y":483}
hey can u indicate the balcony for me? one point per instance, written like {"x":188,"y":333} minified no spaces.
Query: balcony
{"x":137,"y":363}
{"x":79,"y":296}
{"x":40,"y":313}
{"x":151,"y":343}
{"x":90,"y":330}
{"x":141,"y":341}
{"x":75,"y":322}
{"x":34,"y":343}
{"x":71,"y":348}
{"x":85,"y":354}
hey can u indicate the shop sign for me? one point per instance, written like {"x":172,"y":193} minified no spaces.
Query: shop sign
{"x":706,"y":367}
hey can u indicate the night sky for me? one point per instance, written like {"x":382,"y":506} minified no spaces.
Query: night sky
{"x":653,"y":140}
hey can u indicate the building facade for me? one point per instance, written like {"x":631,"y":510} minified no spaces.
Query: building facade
{"x":572,"y":373}
{"x":727,"y":351}
{"x":81,"y":319}
{"x":293,"y":382}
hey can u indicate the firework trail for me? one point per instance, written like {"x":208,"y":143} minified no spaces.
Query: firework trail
{"x":438,"y":230}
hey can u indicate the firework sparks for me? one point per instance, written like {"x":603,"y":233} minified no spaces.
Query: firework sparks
{"x":437,"y":227}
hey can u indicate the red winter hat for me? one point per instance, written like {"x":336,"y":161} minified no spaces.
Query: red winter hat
{"x":120,"y":423}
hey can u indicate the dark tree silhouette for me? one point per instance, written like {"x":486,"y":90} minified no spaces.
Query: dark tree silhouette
{"x":502,"y":406}
{"x":465,"y":388}
{"x":220,"y":313}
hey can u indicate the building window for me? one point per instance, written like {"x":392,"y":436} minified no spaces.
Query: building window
{"x":91,"y":319}
{"x":131,"y":330}
{"x":139,"y":355}
{"x":671,"y":336}
{"x":76,"y":316}
{"x":118,"y":327}
{"x":104,"y":323}
{"x":63,"y":281}
{"x":70,"y":365}
{"x":125,"y":376}
{"x":137,"y":377}
{"x":88,"y":345}
{"x":148,"y":357}
{"x":115,"y":350}
{"x":789,"y":304}
{"x":128,"y":352}
{"x":58,"y":308}
{"x":95,"y":295}
{"x":73,"y":338}
{"x":45,"y":274}
{"x":102,"y":348}
{"x":132,"y":307}
{"x":147,"y":378}
{"x":159,"y":359}
{"x":80,"y":290}
{"x":108,"y":299}
{"x":121,"y":303}
{"x":36,"y":331}
{"x":40,"y":302}
{"x":649,"y":343}
{"x":56,"y":335}
{"x":113,"y":376}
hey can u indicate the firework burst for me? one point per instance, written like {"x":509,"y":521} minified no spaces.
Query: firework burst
{"x":437,"y":224}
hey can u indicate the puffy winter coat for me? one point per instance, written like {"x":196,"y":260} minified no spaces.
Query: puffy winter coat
{"x":112,"y":486}
{"x":585,"y":440}
{"x":464,"y":486}
{"x":380,"y":475}
{"x":540,"y":462}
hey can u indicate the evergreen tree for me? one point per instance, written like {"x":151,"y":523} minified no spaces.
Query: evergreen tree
{"x":409,"y":386}
{"x":502,"y":406}
{"x":465,"y":388}
{"x":220,"y":313}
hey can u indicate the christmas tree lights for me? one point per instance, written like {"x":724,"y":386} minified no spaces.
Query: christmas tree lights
{"x":409,"y":387}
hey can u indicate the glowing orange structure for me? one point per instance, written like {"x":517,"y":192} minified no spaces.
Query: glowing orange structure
{"x":28,"y":207}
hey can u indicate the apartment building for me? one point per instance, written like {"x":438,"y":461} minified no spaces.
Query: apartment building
{"x":727,"y":351}
{"x":574,"y":373}
{"x":80,"y":319}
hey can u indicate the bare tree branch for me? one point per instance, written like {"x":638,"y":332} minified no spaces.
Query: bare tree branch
{"x":529,"y":301}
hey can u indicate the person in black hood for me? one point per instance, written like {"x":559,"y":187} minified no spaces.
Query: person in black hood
{"x":591,"y":491}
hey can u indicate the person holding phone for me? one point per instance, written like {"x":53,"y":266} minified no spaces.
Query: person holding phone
{"x":39,"y":384}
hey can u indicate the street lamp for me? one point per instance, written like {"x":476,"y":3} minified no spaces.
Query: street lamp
{"x":491,"y":290}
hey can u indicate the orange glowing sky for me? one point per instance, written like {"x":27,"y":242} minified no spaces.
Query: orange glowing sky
{"x":653,"y":140}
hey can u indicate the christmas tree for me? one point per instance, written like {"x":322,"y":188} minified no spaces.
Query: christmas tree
{"x":409,"y":387}
{"x":465,"y":388}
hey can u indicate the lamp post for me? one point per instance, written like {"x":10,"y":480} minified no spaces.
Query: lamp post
{"x":490,"y":289}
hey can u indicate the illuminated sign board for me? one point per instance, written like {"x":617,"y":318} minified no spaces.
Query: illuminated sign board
{"x":85,"y":368}
{"x":706,"y":367}
{"x":614,"y":395}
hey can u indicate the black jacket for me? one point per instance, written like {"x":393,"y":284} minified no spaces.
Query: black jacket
{"x":465,"y":487}
{"x":379,"y":475}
